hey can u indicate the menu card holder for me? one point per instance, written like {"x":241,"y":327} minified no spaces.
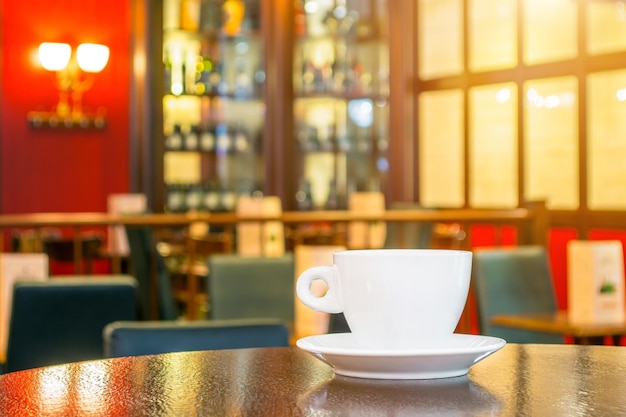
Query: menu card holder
{"x":123,"y":204}
{"x":17,"y":267}
{"x":367,"y":235}
{"x":260,"y":238}
{"x":595,"y":279}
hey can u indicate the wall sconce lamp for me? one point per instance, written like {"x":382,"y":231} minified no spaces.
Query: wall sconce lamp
{"x":74,"y":76}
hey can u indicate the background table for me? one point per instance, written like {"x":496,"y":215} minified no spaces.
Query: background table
{"x":584,"y":334}
{"x":519,"y":380}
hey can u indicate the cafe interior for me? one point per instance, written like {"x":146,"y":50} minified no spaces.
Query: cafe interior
{"x":206,"y":152}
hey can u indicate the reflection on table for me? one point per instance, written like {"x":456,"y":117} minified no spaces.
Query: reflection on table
{"x":559,"y":323}
{"x":531,"y":380}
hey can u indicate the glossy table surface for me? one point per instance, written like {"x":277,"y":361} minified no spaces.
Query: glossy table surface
{"x":519,"y":380}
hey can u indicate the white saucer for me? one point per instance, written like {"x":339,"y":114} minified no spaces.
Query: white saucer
{"x":453,"y":358}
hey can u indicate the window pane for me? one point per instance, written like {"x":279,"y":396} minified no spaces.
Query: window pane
{"x":551,"y":141}
{"x":607,"y":26}
{"x":492,"y":34}
{"x":550,"y":30}
{"x":441,"y":150}
{"x":493,"y":146}
{"x":440,"y":38}
{"x":606,"y":149}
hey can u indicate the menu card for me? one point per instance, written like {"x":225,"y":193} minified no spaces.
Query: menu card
{"x":17,"y":267}
{"x":367,"y":235}
{"x":123,"y":204}
{"x":260,"y":239}
{"x":595,"y":279}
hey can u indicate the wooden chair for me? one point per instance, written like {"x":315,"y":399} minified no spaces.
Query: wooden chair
{"x":510,"y":281}
{"x":132,"y":338}
{"x":199,"y":249}
{"x":62,"y":249}
{"x":61,"y":320}
{"x":156,"y":299}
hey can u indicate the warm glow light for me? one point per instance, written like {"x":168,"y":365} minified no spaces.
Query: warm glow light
{"x":92,"y":57}
{"x":552,"y":102}
{"x":54,"y":56}
{"x":310,"y":7}
{"x":73,"y":79}
{"x":503,"y":95}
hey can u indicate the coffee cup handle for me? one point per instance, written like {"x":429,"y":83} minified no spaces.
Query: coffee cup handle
{"x":329,"y":302}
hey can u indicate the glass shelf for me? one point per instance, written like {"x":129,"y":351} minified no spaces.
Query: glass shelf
{"x":213,"y":107}
{"x":341,"y":110}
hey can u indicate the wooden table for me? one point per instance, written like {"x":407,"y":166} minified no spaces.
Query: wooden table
{"x":559,"y":323}
{"x":519,"y":380}
{"x":531,"y":221}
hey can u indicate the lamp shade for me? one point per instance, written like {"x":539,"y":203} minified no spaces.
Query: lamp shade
{"x":92,"y":57}
{"x":54,"y":56}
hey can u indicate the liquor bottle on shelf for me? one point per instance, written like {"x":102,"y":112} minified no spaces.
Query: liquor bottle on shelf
{"x":233,"y":12}
{"x":222,"y":86}
{"x":308,"y":76}
{"x":215,"y":78}
{"x":193,"y":198}
{"x":175,"y":198}
{"x":203,"y":71}
{"x":211,"y":198}
{"x":207,"y":139}
{"x":355,"y":74}
{"x":241,"y":138}
{"x":332,"y":201}
{"x":191,"y":139}
{"x":326,"y":135}
{"x":339,"y":72}
{"x":190,"y":15}
{"x":177,"y":85}
{"x":326,"y":71}
{"x":198,"y":86}
{"x":174,"y":141}
{"x":189,"y":69}
{"x":210,"y":16}
{"x":228,"y":199}
{"x":304,"y":197}
{"x":318,"y":79}
{"x":243,"y":82}
{"x":223,"y":141}
{"x":259,"y":81}
{"x":167,"y":71}
{"x":299,"y":19}
{"x":343,"y":139}
{"x":308,"y":138}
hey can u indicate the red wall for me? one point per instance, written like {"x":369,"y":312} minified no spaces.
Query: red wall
{"x":62,"y":170}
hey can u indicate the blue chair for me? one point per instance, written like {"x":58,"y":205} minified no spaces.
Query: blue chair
{"x":251,"y":287}
{"x":61,"y":320}
{"x":126,"y":338}
{"x":513,"y":281}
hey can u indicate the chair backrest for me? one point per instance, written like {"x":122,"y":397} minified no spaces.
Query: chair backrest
{"x":511,"y":281}
{"x":144,"y":262}
{"x":132,"y":338}
{"x":408,"y":235}
{"x":61,"y":320}
{"x":248,"y":287}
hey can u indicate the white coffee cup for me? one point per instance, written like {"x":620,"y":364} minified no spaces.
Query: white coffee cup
{"x":393,"y":298}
